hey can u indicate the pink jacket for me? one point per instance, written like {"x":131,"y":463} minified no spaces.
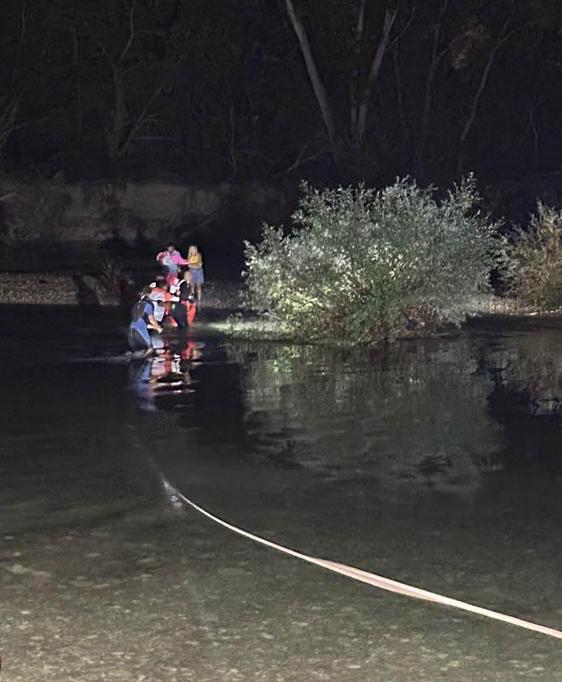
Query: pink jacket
{"x":168,"y":258}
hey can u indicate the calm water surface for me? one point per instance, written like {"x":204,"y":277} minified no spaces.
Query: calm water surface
{"x":438,"y":463}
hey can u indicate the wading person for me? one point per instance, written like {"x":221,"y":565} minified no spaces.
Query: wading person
{"x":195,"y":262}
{"x":170,"y":259}
{"x":161,"y":297}
{"x":186,"y":308}
{"x":142,"y":323}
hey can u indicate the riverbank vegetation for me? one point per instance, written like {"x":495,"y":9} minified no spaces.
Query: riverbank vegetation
{"x":536,"y":261}
{"x":360,"y":266}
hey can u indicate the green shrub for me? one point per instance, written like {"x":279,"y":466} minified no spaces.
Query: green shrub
{"x":536,"y":260}
{"x":359,"y":263}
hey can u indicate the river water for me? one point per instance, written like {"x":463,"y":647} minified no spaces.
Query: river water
{"x":437,"y":463}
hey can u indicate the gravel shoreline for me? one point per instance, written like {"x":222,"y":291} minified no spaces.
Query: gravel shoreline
{"x":37,"y":288}
{"x":18,"y":288}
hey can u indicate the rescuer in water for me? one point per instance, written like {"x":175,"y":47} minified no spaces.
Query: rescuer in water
{"x":143,"y":324}
{"x":186,"y":308}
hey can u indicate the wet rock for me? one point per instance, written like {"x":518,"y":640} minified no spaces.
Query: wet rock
{"x":18,"y":569}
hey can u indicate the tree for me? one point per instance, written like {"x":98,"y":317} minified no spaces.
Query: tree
{"x":141,"y":58}
{"x":360,"y":84}
{"x":384,"y":89}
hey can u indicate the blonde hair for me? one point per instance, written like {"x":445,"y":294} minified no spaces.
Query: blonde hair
{"x":192,"y":249}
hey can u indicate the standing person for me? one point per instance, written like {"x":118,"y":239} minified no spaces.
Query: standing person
{"x":195,"y":262}
{"x":170,"y":259}
{"x":143,"y":320}
{"x":186,"y":308}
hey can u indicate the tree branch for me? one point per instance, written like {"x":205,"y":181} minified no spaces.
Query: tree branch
{"x":131,"y":31}
{"x":356,"y":54}
{"x":361,"y":127}
{"x":317,"y":84}
{"x":301,"y":158}
{"x":483,"y":80}
{"x":436,"y":57}
{"x":503,"y":37}
{"x":23,"y":24}
{"x":141,"y":119}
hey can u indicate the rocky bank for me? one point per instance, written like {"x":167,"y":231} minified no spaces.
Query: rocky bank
{"x":134,"y":212}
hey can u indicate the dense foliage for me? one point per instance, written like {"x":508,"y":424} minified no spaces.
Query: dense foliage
{"x":362,"y":266}
{"x":536,"y":260}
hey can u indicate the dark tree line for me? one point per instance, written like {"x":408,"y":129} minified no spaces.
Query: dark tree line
{"x":246,"y":89}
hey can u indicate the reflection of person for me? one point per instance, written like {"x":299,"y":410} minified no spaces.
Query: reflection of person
{"x":163,"y":374}
{"x":142,"y":321}
{"x":195,"y":262}
{"x":139,"y":382}
{"x":192,"y":350}
{"x":170,"y":259}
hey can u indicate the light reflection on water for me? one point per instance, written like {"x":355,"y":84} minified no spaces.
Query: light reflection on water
{"x":437,"y":463}
{"x":442,"y":416}
{"x":439,"y":414}
{"x":166,"y":373}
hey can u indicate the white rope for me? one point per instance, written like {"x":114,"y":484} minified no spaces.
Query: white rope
{"x":366,"y":577}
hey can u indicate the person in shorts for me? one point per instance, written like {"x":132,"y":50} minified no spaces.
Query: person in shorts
{"x":195,"y":263}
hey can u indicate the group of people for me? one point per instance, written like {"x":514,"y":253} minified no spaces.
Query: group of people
{"x":172,"y":299}
{"x":171,"y":260}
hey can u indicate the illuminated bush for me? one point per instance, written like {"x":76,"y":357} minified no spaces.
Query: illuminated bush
{"x":537,"y":260}
{"x":361,"y":266}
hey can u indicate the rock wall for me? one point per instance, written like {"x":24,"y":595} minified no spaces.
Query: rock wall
{"x":133,"y":212}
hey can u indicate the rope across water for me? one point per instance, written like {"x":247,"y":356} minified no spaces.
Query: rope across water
{"x":364,"y":576}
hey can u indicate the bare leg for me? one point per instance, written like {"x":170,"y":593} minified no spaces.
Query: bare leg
{"x":198,"y":291}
